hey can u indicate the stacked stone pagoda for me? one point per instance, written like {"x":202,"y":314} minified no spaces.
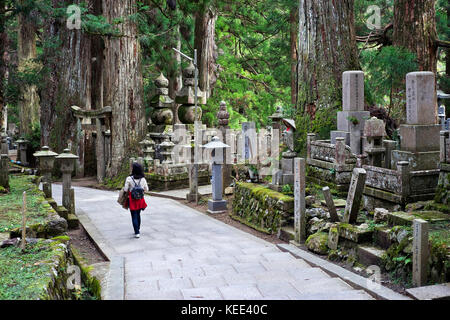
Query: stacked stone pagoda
{"x":162,"y":104}
{"x":186,"y":97}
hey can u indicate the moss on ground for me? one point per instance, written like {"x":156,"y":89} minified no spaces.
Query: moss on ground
{"x":11,"y":204}
{"x":24,"y":275}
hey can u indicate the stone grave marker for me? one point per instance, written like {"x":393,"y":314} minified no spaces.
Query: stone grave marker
{"x":333,"y":238}
{"x":330,"y":204}
{"x":299,"y":199}
{"x":420,"y":252}
{"x":355,"y":193}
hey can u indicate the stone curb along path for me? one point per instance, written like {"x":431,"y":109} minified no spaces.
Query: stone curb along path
{"x":185,"y":254}
{"x":114,"y":287}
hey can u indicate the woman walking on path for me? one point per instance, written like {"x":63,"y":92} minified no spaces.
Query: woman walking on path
{"x":135,"y":185}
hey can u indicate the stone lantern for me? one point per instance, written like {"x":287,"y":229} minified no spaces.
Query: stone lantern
{"x":5,"y":148}
{"x":67,"y":161}
{"x":147,"y":149}
{"x":167,"y":152}
{"x":46,"y":161}
{"x":217,"y":204}
{"x":23,"y":143}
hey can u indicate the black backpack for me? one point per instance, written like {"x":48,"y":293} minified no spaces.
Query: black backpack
{"x":137,"y":193}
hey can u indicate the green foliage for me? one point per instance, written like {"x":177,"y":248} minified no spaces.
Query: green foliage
{"x":323,"y":123}
{"x":287,"y":189}
{"x":386,"y":70}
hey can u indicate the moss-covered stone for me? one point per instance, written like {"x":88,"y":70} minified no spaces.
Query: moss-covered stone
{"x":353,"y":233}
{"x":406,"y":218}
{"x":261,"y":207}
{"x":318,"y":243}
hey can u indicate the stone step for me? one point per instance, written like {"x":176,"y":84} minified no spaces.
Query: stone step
{"x":381,"y":237}
{"x":406,"y":218}
{"x":326,"y":285}
{"x":353,"y":233}
{"x":342,"y":295}
{"x":287,"y":233}
{"x":369,"y":255}
{"x":434,"y":292}
{"x":338,"y":203}
{"x":72,"y":221}
{"x":308,"y":274}
{"x":285,"y":265}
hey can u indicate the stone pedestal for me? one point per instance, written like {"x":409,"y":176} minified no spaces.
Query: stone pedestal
{"x":287,"y":166}
{"x":46,"y":162}
{"x":4,"y":171}
{"x":217,"y":204}
{"x":420,"y":138}
{"x":67,"y":166}
{"x":22,"y":146}
{"x":374,"y":131}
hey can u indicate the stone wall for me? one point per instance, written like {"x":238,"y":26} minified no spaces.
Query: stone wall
{"x":262,"y":208}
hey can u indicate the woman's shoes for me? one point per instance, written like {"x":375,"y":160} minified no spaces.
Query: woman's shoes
{"x":137,"y":235}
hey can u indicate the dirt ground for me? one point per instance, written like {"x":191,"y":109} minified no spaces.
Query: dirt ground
{"x":85,"y":246}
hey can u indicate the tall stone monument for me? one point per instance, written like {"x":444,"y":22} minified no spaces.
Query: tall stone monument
{"x":287,"y":162}
{"x":351,"y":120}
{"x":420,"y":136}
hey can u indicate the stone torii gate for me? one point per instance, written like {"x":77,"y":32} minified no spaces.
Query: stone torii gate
{"x":100,"y":131}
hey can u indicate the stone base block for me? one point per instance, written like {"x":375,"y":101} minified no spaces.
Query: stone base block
{"x":340,"y":134}
{"x":353,"y":233}
{"x":192,"y":197}
{"x":217,"y":206}
{"x":368,"y":255}
{"x":345,"y":120}
{"x":73,"y":222}
{"x":421,"y":138}
{"x":288,"y":179}
{"x":287,"y":165}
{"x":417,"y":160}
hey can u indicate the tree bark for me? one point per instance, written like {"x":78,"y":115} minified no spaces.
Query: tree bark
{"x":327,"y":49}
{"x":67,"y":83}
{"x":204,"y":42}
{"x":123,"y":83}
{"x":26,"y":50}
{"x":293,"y":20}
{"x":415,"y":29}
{"x":3,"y":66}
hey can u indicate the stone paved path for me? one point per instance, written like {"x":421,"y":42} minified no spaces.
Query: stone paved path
{"x":184,"y":254}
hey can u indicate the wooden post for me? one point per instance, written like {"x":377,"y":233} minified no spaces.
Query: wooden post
{"x":24,"y":220}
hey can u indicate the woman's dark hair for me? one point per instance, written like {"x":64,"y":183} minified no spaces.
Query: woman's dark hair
{"x":138,"y":171}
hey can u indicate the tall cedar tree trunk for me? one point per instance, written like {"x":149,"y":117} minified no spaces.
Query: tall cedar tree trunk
{"x":205,"y":28}
{"x":67,"y":83}
{"x":327,"y":48}
{"x":123,"y":83}
{"x":3,"y":46}
{"x":415,"y":29}
{"x":26,"y":50}
{"x":293,"y":21}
